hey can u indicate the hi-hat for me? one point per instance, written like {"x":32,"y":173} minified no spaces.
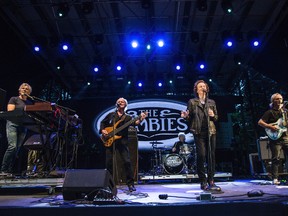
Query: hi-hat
{"x":156,"y":142}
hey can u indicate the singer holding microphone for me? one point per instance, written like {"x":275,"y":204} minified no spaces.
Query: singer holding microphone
{"x":15,"y":133}
{"x":201,"y":115}
{"x":119,"y":140}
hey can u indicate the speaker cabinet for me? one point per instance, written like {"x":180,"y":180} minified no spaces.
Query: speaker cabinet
{"x":86,"y":183}
{"x":120,"y":178}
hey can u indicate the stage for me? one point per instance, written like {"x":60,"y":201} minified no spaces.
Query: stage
{"x":153,"y":197}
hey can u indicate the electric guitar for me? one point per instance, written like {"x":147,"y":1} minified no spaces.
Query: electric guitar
{"x":112,"y":131}
{"x":274,"y":135}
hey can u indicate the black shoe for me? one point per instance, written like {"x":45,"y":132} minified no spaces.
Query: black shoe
{"x":131,"y":188}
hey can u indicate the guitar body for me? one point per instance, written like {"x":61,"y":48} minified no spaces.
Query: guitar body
{"x":275,"y":135}
{"x":110,"y":138}
{"x":112,"y":131}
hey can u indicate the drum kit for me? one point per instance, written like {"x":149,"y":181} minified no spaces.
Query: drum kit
{"x":165,"y":162}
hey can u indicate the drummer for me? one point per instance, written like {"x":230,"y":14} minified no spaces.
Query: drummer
{"x":177,"y":145}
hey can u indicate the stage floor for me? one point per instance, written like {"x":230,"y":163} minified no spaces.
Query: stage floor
{"x":238,"y":197}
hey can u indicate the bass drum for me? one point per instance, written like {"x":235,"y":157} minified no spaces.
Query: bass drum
{"x":173,"y":164}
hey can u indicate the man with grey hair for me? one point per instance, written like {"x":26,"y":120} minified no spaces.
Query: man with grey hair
{"x":15,"y":133}
{"x":274,"y":121}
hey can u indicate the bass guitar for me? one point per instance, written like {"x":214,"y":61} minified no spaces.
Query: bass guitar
{"x":274,"y":135}
{"x":112,"y":131}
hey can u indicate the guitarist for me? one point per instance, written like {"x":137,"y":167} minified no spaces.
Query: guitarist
{"x":276,"y":113}
{"x":120,"y":117}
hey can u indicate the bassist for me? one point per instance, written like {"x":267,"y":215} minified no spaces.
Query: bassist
{"x":113,"y":121}
{"x":274,"y":121}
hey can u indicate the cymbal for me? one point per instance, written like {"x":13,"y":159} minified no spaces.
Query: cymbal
{"x":156,"y":142}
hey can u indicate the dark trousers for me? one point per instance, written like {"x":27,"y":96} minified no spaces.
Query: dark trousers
{"x":205,"y":151}
{"x":123,"y":152}
{"x":276,"y":147}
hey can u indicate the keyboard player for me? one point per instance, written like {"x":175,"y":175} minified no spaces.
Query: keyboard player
{"x":15,"y":133}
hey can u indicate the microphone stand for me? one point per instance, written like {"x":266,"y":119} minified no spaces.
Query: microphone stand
{"x":114,"y":170}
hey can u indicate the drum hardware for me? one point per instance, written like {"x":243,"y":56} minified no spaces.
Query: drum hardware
{"x":173,"y":164}
{"x":157,"y":159}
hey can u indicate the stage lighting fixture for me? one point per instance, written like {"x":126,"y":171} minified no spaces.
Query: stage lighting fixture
{"x":238,"y":59}
{"x":119,"y":63}
{"x":62,"y":10}
{"x":253,"y":38}
{"x":87,"y":7}
{"x":140,"y":84}
{"x":227,"y":6}
{"x":160,"y":84}
{"x":134,"y":44}
{"x":202,"y":5}
{"x":60,"y":62}
{"x":177,"y":60}
{"x":195,"y":36}
{"x":160,"y":43}
{"x":227,"y":38}
{"x":40,"y":43}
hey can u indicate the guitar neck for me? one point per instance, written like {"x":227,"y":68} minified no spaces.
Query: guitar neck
{"x":117,"y":130}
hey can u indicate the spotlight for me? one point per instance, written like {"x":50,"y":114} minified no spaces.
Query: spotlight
{"x":62,"y":10}
{"x":202,"y":5}
{"x":227,"y":6}
{"x":238,"y":59}
{"x":160,"y":43}
{"x":60,"y":62}
{"x":227,"y":38}
{"x":119,"y":63}
{"x":253,"y":38}
{"x":40,"y":43}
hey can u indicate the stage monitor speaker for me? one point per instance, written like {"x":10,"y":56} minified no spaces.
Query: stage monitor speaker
{"x":264,"y":150}
{"x":86,"y":183}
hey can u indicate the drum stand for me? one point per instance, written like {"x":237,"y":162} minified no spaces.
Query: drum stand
{"x":157,"y":159}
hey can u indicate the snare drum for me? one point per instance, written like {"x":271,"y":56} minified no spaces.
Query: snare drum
{"x":173,"y":164}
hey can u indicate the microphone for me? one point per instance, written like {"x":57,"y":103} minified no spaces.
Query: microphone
{"x":28,"y":96}
{"x":117,"y":105}
{"x":163,"y":196}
